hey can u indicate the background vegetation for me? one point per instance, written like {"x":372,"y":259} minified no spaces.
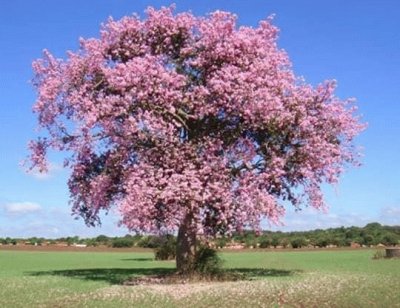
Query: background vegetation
{"x":370,"y":235}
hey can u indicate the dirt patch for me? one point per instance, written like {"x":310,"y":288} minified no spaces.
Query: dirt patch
{"x":181,"y":290}
{"x":179,"y":279}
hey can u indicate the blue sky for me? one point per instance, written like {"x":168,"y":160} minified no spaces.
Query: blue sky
{"x":355,"y":42}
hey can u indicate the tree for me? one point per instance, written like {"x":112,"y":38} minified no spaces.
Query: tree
{"x":264,"y":242}
{"x":190,"y":124}
{"x":389,"y":239}
{"x":221,"y":242}
{"x":122,"y":242}
{"x":322,"y":241}
{"x":102,"y":239}
{"x":298,"y":242}
{"x":72,"y":240}
{"x":275,"y":242}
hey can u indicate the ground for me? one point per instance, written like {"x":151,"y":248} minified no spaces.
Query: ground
{"x":330,"y":278}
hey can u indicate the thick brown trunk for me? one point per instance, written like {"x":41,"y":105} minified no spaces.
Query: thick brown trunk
{"x":186,"y":247}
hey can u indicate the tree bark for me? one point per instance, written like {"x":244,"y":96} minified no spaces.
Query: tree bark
{"x":186,"y":247}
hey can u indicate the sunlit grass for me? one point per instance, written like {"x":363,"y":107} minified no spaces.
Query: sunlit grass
{"x":293,"y":279}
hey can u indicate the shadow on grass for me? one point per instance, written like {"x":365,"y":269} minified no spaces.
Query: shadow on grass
{"x":110,"y":275}
{"x":262,"y":272}
{"x":138,"y":259}
{"x":119,"y":275}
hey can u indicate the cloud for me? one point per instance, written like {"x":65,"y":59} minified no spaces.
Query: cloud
{"x":53,"y":169}
{"x":310,"y":219}
{"x":22,"y":208}
{"x":55,"y":224}
{"x":390,"y":211}
{"x":390,"y":215}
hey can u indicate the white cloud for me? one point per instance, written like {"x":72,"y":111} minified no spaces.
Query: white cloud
{"x":390,"y":215}
{"x":391,"y":211}
{"x":310,"y":219}
{"x":21,"y":208}
{"x":53,"y":168}
{"x":53,"y":225}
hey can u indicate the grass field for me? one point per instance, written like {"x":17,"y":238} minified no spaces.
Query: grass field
{"x":279,"y":279}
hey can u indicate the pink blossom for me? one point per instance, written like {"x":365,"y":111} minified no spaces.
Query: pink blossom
{"x":178,"y":114}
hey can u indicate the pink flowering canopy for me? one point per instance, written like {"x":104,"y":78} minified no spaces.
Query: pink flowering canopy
{"x":179,"y":115}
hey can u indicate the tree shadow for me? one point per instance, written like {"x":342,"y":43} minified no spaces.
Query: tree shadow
{"x":254,"y":273}
{"x":110,"y":275}
{"x":138,"y":259}
{"x":119,"y":275}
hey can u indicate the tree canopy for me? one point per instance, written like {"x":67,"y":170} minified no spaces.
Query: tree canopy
{"x":184,"y":120}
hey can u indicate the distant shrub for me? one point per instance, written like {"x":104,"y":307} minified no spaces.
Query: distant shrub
{"x":7,"y":241}
{"x":101,"y":240}
{"x":122,"y":243}
{"x":207,"y":262}
{"x":264,"y":242}
{"x":250,"y":240}
{"x":275,"y":242}
{"x":149,"y":242}
{"x":322,"y":242}
{"x":389,"y":240}
{"x":379,"y":254}
{"x":166,"y":249}
{"x":72,"y":240}
{"x":298,"y":242}
{"x":221,"y":242}
{"x":91,"y":242}
{"x":35,"y":241}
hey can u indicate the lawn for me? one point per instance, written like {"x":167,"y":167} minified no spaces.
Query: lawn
{"x":287,"y":279}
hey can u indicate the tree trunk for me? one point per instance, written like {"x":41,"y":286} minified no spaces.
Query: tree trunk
{"x":186,"y":247}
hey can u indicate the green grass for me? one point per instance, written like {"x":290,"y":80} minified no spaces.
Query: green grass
{"x":287,"y":279}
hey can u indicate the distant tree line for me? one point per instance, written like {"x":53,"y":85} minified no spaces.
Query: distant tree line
{"x":145,"y":241}
{"x":370,"y":235}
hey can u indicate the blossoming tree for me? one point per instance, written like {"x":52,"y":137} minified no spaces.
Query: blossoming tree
{"x":189,"y":124}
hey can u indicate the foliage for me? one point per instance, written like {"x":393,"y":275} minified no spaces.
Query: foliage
{"x":221,"y":242}
{"x":180,"y":116}
{"x":264,"y":242}
{"x":149,"y":241}
{"x":166,"y":249}
{"x":390,"y":239}
{"x":372,"y":234}
{"x":250,"y":240}
{"x":340,"y":237}
{"x":298,"y":242}
{"x":92,"y":243}
{"x":379,"y":254}
{"x":102,"y":240}
{"x":72,"y":240}
{"x":5,"y":241}
{"x":207,"y":262}
{"x":275,"y":241}
{"x":322,"y":241}
{"x":36,"y":241}
{"x":122,"y":242}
